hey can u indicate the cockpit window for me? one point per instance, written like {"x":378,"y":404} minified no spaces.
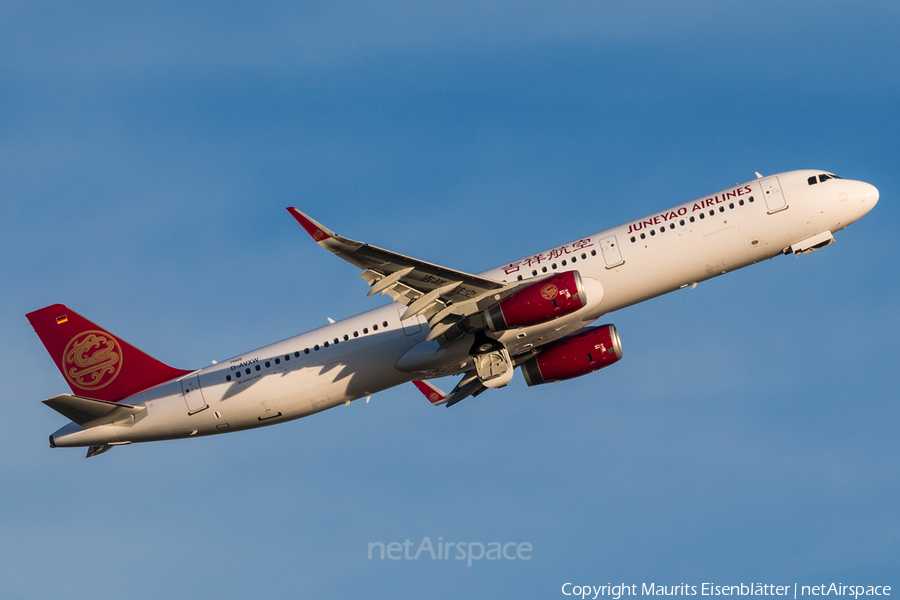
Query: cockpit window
{"x":822,"y":177}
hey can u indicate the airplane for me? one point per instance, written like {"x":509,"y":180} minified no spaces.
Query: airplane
{"x":535,"y":313}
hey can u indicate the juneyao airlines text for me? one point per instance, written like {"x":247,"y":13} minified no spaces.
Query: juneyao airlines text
{"x":711,"y":589}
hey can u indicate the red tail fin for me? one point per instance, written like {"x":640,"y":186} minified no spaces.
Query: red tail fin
{"x":95,"y":363}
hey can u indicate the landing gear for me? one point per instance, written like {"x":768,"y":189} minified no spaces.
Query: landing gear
{"x":484,"y":344}
{"x":492,"y":362}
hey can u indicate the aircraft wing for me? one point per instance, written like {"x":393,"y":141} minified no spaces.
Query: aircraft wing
{"x":443,"y":296}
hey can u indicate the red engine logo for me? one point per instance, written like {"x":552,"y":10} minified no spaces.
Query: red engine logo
{"x":92,"y":360}
{"x":549,"y":291}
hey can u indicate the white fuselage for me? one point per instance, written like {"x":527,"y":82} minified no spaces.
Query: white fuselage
{"x":373,"y":351}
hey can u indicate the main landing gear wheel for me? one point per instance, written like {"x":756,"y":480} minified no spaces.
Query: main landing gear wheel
{"x":484,"y":344}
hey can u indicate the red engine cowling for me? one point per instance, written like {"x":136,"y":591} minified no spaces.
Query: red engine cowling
{"x":580,"y":354}
{"x":539,"y":302}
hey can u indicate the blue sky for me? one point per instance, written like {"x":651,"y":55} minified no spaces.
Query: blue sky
{"x":147,"y":155}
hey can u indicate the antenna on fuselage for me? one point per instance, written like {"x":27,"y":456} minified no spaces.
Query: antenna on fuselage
{"x":758,"y":176}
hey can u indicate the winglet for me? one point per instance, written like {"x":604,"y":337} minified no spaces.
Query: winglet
{"x":434,"y":395}
{"x":319,"y":232}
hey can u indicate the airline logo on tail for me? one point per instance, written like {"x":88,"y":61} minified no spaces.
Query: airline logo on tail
{"x":91,"y":360}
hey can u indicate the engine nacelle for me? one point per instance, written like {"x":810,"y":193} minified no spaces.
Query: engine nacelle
{"x":585,"y":352}
{"x":539,"y":302}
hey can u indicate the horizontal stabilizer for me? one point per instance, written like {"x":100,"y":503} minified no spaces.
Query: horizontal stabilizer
{"x":88,"y":412}
{"x":97,"y":450}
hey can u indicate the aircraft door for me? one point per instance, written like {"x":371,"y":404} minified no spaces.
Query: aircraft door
{"x":193,"y":395}
{"x":611,"y":254}
{"x":774,"y":197}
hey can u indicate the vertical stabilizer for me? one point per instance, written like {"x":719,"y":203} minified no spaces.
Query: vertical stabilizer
{"x":95,"y":363}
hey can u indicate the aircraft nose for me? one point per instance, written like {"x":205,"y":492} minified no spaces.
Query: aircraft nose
{"x":868,"y":196}
{"x":871,"y":193}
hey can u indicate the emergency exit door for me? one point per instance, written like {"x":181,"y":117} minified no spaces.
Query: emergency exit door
{"x":611,"y":254}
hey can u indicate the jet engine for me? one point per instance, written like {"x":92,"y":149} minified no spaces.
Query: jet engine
{"x":585,"y":352}
{"x":547,"y":299}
